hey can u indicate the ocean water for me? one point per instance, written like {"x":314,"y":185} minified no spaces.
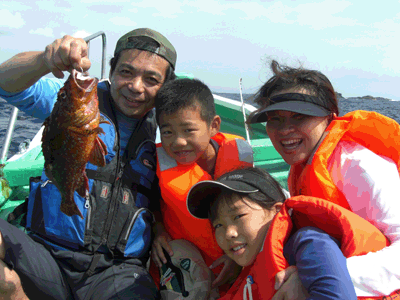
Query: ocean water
{"x":27,"y":126}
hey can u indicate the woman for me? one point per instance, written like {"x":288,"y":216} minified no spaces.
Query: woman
{"x":351,"y":160}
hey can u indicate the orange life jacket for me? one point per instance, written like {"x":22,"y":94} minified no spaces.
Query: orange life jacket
{"x":177,"y":179}
{"x":356,"y":236}
{"x":374,"y":131}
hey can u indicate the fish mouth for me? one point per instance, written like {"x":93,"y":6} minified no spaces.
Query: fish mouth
{"x":84,"y":81}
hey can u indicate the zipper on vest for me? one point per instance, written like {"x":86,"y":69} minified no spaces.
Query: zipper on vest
{"x":113,"y":201}
{"x":135,"y":216}
{"x":45,"y":183}
{"x":89,"y":211}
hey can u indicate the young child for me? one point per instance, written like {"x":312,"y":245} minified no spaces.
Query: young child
{"x":265,"y":233}
{"x":192,"y":150}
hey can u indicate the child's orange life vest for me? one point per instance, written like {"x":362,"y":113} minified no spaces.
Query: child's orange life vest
{"x":356,"y":236}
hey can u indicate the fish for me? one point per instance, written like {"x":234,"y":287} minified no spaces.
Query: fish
{"x":71,"y":139}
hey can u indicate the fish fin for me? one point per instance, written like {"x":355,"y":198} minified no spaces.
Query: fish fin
{"x":70,"y":209}
{"x":98,"y":152}
{"x":103,"y":146}
{"x":99,"y":130}
{"x":103,"y":120}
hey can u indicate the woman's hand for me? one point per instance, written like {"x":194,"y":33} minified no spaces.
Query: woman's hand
{"x":161,"y":240}
{"x":229,"y":272}
{"x":289,"y":286}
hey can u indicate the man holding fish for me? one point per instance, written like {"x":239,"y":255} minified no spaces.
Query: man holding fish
{"x":89,"y":216}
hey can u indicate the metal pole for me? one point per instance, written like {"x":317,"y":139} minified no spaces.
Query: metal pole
{"x":10,"y":129}
{"x":103,"y":56}
{"x":244,"y":113}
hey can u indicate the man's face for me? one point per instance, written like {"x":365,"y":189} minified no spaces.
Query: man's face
{"x":136,"y":80}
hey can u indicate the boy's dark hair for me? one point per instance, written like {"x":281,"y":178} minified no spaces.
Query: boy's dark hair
{"x":185,"y":93}
{"x":148,"y":43}
{"x":285,"y":78}
{"x":260,"y":198}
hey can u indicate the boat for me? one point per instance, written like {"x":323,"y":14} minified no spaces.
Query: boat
{"x":29,"y":161}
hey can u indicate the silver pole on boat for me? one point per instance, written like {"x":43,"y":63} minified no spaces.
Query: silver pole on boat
{"x":103,"y":56}
{"x":10,"y":129}
{"x":244,"y":113}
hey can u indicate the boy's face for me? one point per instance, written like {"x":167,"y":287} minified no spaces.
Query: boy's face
{"x":185,"y":136}
{"x":240,"y":228}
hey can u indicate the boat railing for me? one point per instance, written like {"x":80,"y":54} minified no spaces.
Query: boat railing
{"x":14,"y":113}
{"x":103,"y":56}
{"x":10,"y":129}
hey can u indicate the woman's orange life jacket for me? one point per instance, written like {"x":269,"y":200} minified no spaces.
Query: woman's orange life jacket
{"x":177,"y":179}
{"x":356,"y":236}
{"x":374,"y":131}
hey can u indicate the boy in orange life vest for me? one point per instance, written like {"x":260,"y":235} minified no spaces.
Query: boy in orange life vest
{"x":192,"y":150}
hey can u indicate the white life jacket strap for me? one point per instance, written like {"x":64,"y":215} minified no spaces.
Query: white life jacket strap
{"x":247,"y":288}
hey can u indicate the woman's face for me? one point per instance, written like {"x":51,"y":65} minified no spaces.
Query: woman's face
{"x":295,"y":135}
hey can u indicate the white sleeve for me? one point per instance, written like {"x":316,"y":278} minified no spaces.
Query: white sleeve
{"x":371,"y":185}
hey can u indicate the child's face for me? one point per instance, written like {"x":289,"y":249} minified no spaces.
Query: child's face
{"x":240,"y":229}
{"x":185,"y":136}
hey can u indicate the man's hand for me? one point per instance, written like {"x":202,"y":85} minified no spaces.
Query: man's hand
{"x":229,"y":272}
{"x":289,"y":286}
{"x":24,"y":69}
{"x":161,"y":240}
{"x":10,"y":284}
{"x":66,"y":54}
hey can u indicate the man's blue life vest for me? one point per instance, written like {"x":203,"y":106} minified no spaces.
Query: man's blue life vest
{"x":117,"y":218}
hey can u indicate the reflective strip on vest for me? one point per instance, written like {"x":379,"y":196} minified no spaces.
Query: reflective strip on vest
{"x":165,"y":161}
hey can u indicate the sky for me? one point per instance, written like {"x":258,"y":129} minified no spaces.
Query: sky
{"x":356,"y":44}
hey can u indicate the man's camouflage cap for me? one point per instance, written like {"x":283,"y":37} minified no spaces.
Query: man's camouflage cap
{"x":165,"y":48}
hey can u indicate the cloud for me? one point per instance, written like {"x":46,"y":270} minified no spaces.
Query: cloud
{"x":165,"y":9}
{"x":122,"y":21}
{"x":97,"y":1}
{"x":106,"y":8}
{"x":9,"y":20}
{"x":324,"y":14}
{"x":379,"y":40}
{"x":319,"y":15}
{"x":81,"y":34}
{"x":43,"y":31}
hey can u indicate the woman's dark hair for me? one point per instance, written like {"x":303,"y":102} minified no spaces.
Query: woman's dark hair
{"x":265,"y":201}
{"x":288,"y":78}
{"x":143,"y":42}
